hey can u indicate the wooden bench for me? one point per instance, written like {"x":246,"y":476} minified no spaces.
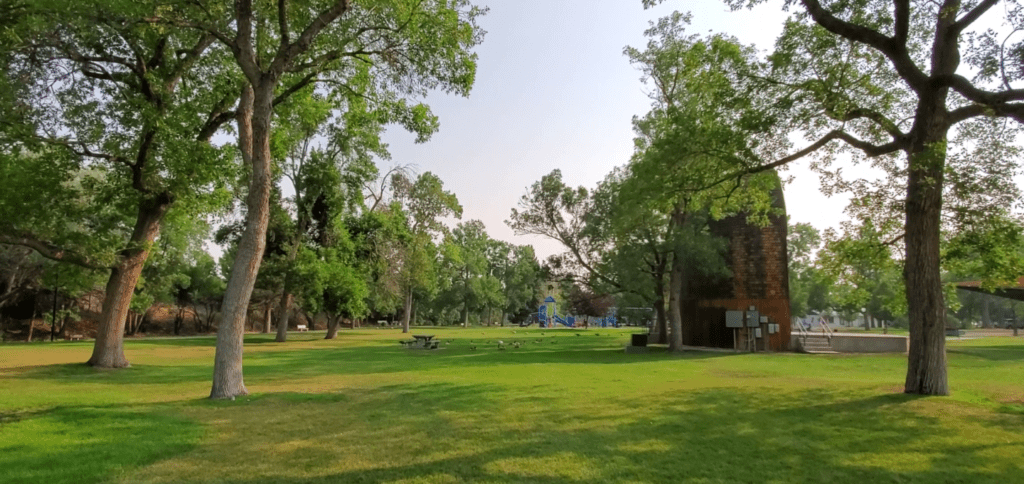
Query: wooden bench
{"x":76,"y":337}
{"x":302,"y":327}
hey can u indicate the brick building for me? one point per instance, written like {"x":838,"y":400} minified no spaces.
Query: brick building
{"x":760,"y":278}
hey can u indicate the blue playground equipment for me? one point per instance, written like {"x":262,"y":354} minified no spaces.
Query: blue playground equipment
{"x":568,"y":322}
{"x":547,"y":317}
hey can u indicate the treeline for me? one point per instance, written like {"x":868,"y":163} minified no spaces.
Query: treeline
{"x":375,"y":249}
{"x":116,"y":121}
{"x":858,"y":276}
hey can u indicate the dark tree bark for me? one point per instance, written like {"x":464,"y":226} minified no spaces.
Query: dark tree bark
{"x":283,"y":313}
{"x":108,"y":351}
{"x":332,"y":326}
{"x":661,"y":320}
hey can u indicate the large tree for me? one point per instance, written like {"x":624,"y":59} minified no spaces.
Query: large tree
{"x":126,"y":110}
{"x":427,"y":204}
{"x":916,"y":87}
{"x":707,"y":121}
{"x":390,"y":50}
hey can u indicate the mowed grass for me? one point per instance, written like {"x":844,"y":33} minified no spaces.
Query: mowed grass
{"x":567,"y":407}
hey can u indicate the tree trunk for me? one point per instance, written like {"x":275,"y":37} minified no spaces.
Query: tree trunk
{"x":179,"y":321}
{"x":254,"y":110}
{"x":926,"y":360}
{"x":661,"y":319}
{"x":407,"y":310}
{"x":675,"y":310}
{"x":283,"y":313}
{"x":267,"y":317}
{"x":986,"y":315}
{"x":31,"y":325}
{"x":108,"y":351}
{"x":332,"y":326}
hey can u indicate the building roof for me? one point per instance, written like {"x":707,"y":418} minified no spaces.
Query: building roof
{"x":1012,"y":291}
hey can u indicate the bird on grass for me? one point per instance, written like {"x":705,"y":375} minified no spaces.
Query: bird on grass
{"x":577,"y":334}
{"x":597,"y":334}
{"x":472,"y":348}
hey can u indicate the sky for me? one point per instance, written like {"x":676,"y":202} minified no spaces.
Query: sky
{"x":554,"y":91}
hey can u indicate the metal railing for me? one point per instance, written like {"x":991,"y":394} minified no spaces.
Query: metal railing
{"x":801,"y":332}
{"x":825,"y":329}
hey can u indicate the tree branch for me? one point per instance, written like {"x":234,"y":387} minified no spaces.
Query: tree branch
{"x":893,"y":50}
{"x":901,"y":27}
{"x":190,"y":59}
{"x":990,"y":98}
{"x":282,"y":21}
{"x":287,"y":54}
{"x":879,"y":119}
{"x":50,"y":251}
{"x":242,"y":46}
{"x":869,"y":149}
{"x":971,"y":17}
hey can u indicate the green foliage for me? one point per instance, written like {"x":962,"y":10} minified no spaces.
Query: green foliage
{"x":380,"y":239}
{"x":474,"y":278}
{"x":809,"y":286}
{"x":332,"y":281}
{"x":991,"y":249}
{"x":863,"y":272}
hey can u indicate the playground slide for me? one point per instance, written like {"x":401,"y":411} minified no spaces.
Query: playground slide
{"x":558,"y":319}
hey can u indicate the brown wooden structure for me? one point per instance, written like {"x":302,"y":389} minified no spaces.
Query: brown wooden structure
{"x":760,"y":278}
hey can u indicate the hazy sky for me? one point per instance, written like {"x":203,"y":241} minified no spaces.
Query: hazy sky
{"x":553,"y":90}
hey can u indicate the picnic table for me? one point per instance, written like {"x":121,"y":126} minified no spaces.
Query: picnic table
{"x":424,"y":341}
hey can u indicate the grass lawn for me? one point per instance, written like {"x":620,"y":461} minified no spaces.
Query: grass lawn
{"x":566,"y":407}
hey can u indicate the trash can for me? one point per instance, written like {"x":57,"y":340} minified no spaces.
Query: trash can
{"x":639,"y":340}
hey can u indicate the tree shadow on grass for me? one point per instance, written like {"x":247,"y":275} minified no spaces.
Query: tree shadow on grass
{"x":84,"y":445}
{"x":474,"y":433}
{"x":290,"y":364}
{"x":990,"y":353}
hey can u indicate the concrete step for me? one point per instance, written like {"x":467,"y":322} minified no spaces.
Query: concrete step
{"x":816,"y":344}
